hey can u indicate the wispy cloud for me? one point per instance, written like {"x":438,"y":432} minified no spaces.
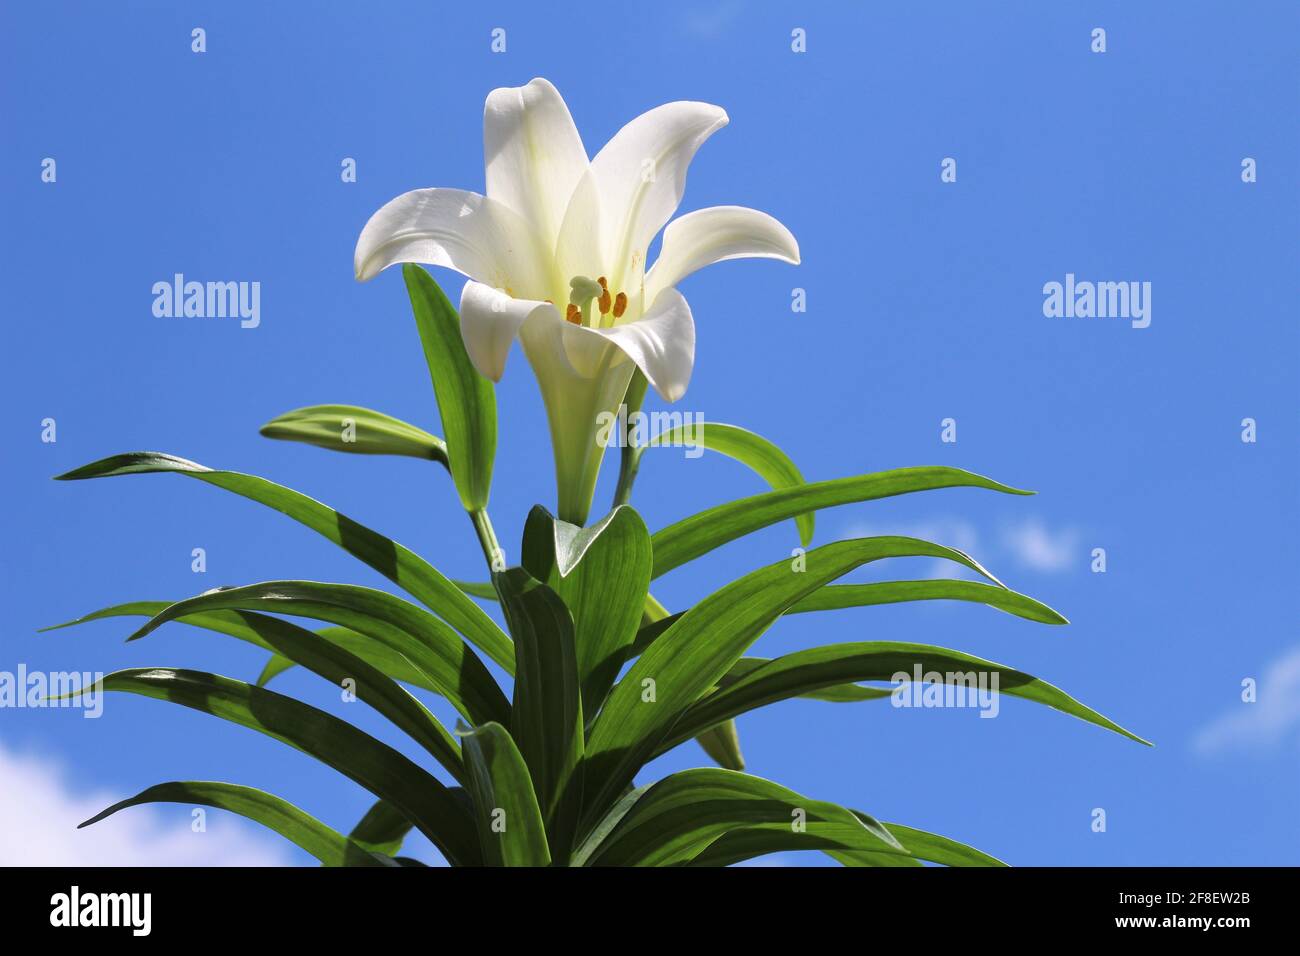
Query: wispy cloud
{"x":1040,"y":548}
{"x":1271,"y":721}
{"x":1030,"y":543}
{"x":38,"y":827}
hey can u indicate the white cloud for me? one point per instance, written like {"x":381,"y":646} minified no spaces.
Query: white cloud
{"x":1037,"y":547}
{"x":1272,"y":720}
{"x":1030,"y":543}
{"x":39,"y":816}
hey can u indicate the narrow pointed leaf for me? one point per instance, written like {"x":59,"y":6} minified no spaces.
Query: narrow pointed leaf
{"x":275,"y":666}
{"x":222,"y":622}
{"x":836,"y":694}
{"x":356,"y":430}
{"x":506,"y":812}
{"x":701,"y":533}
{"x":305,"y":831}
{"x":767,"y":460}
{"x":837,"y":596}
{"x":387,"y":660}
{"x":479,"y":589}
{"x":804,"y":671}
{"x":466,"y":399}
{"x":547,"y":706}
{"x":400,"y":565}
{"x":925,"y":846}
{"x":722,"y":744}
{"x":429,"y":644}
{"x":374,"y":765}
{"x":390,"y":662}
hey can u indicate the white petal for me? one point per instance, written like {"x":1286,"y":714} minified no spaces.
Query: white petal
{"x":641,"y":175}
{"x":460,"y":230}
{"x":578,"y":249}
{"x":715,"y":234}
{"x":533,"y":153}
{"x":661,"y":343}
{"x":489,"y":322}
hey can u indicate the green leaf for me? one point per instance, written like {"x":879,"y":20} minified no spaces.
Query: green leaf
{"x":466,"y":399}
{"x":684,"y":813}
{"x":701,"y":533}
{"x":804,"y":671}
{"x":275,"y":666}
{"x":510,"y":827}
{"x":400,"y":565}
{"x":766,"y":459}
{"x":371,"y":685}
{"x":746,"y":844}
{"x":601,"y":573}
{"x":446,"y":661}
{"x":702,"y":646}
{"x":379,"y":768}
{"x":722,"y":744}
{"x":387,"y":660}
{"x":360,"y":431}
{"x":886,"y":546}
{"x":839,"y":841}
{"x":836,"y":596}
{"x":302,"y":829}
{"x":222,"y":622}
{"x":925,"y":846}
{"x":390,"y":662}
{"x":547,"y":707}
{"x":838,"y":694}
{"x":478,"y":589}
{"x":605,"y":825}
{"x":383,"y":829}
{"x":651,"y":630}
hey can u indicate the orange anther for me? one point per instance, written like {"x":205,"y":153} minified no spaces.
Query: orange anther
{"x":620,"y":305}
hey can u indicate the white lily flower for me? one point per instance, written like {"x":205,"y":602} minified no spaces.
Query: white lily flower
{"x":555,"y":253}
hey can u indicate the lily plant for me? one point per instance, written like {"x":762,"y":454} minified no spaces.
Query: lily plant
{"x":566,"y":674}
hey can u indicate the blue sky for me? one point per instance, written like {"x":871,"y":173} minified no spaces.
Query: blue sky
{"x":925,"y":302}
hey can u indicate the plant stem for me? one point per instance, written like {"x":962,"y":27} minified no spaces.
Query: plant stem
{"x":487,"y":539}
{"x":630,"y":457}
{"x":628,"y":464}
